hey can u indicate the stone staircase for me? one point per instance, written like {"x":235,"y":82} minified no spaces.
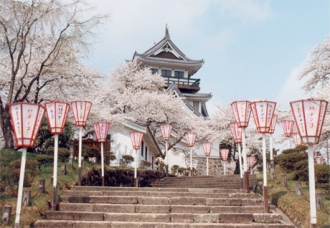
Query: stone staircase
{"x":224,"y":182}
{"x":165,"y":207}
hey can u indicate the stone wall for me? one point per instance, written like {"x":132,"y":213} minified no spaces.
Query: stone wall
{"x":216,"y":166}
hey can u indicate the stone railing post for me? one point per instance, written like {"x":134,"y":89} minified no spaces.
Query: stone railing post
{"x":298,"y":189}
{"x":42,"y":185}
{"x":26,"y":197}
{"x":318,"y":197}
{"x":6,"y":215}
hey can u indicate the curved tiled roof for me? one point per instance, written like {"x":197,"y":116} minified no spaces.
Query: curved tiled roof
{"x":182,"y":59}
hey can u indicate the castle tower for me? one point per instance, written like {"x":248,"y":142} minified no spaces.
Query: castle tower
{"x":166,"y":59}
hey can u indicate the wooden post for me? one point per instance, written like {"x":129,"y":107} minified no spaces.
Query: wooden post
{"x":63,"y":169}
{"x":318,"y":197}
{"x":6,"y":216}
{"x":42,"y":185}
{"x":136,"y":182}
{"x":298,"y":189}
{"x":26,"y":197}
{"x":283,"y":180}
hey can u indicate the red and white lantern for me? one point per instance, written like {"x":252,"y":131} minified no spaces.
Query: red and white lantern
{"x":263,"y":112}
{"x":224,"y":152}
{"x":81,"y":111}
{"x":287,"y":126}
{"x":236,"y":132}
{"x":242,"y":112}
{"x":166,"y":130}
{"x":26,"y":120}
{"x":136,"y":139}
{"x":101,"y":130}
{"x":57,"y":113}
{"x":309,"y":117}
{"x":207,"y":146}
{"x":190,"y":138}
{"x":251,"y":161}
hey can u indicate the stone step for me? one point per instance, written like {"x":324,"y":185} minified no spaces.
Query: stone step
{"x":185,"y":189}
{"x":137,"y":208}
{"x":163,"y":200}
{"x":108,"y":224}
{"x":165,"y":217}
{"x":67,"y":193}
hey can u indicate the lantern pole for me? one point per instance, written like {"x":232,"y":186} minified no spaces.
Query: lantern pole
{"x":312,"y":201}
{"x":246,"y":174}
{"x":79,"y":155}
{"x":102,"y":162}
{"x":166,"y":146}
{"x":265,"y":173}
{"x":20,"y":188}
{"x":240,"y":162}
{"x":26,"y":120}
{"x":55,"y":172}
{"x":207,"y":166}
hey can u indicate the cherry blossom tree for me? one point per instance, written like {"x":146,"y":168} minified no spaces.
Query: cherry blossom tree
{"x":42,"y":42}
{"x":317,"y":73}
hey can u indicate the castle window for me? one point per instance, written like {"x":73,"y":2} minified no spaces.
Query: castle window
{"x":166,"y":73}
{"x":154,"y":71}
{"x":179,"y":74}
{"x":196,"y":105}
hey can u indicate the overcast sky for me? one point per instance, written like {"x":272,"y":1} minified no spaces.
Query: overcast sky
{"x":253,"y":50}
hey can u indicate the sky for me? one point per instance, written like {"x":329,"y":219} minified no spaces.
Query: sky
{"x":253,"y":50}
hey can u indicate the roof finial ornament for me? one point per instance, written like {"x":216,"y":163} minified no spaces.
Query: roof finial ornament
{"x":167,"y":34}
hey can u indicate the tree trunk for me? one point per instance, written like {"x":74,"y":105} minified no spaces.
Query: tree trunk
{"x":6,"y":127}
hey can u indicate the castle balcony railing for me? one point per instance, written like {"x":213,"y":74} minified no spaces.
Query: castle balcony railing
{"x":182,"y":82}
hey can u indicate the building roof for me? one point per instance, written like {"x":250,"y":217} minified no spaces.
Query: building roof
{"x":173,"y":88}
{"x":166,"y":54}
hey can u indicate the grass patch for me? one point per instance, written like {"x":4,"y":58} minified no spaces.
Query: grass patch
{"x":40,"y":203}
{"x":297,"y":207}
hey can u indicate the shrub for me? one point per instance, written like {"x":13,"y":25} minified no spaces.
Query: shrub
{"x":44,"y":160}
{"x":145,"y":164}
{"x":63,"y":154}
{"x":288,"y":161}
{"x":174,"y":169}
{"x":30,"y":171}
{"x":127,"y":159}
{"x":119,"y":177}
{"x":322,"y":173}
{"x":301,"y":171}
{"x":181,"y":170}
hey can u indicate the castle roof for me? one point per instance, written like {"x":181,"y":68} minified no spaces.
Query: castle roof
{"x":166,"y":54}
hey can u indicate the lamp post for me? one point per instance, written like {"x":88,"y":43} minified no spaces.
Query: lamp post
{"x":309,"y":117}
{"x":242,"y":112}
{"x":251,"y":161}
{"x":263,"y":112}
{"x":207,"y":146}
{"x":80,"y":111}
{"x":224,"y":152}
{"x":166,"y":130}
{"x":236,"y":132}
{"x":287,"y":126}
{"x":101,"y":130}
{"x":26,"y":120}
{"x":57,"y":113}
{"x":136,"y":139}
{"x":271,"y":157}
{"x":190,"y":138}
